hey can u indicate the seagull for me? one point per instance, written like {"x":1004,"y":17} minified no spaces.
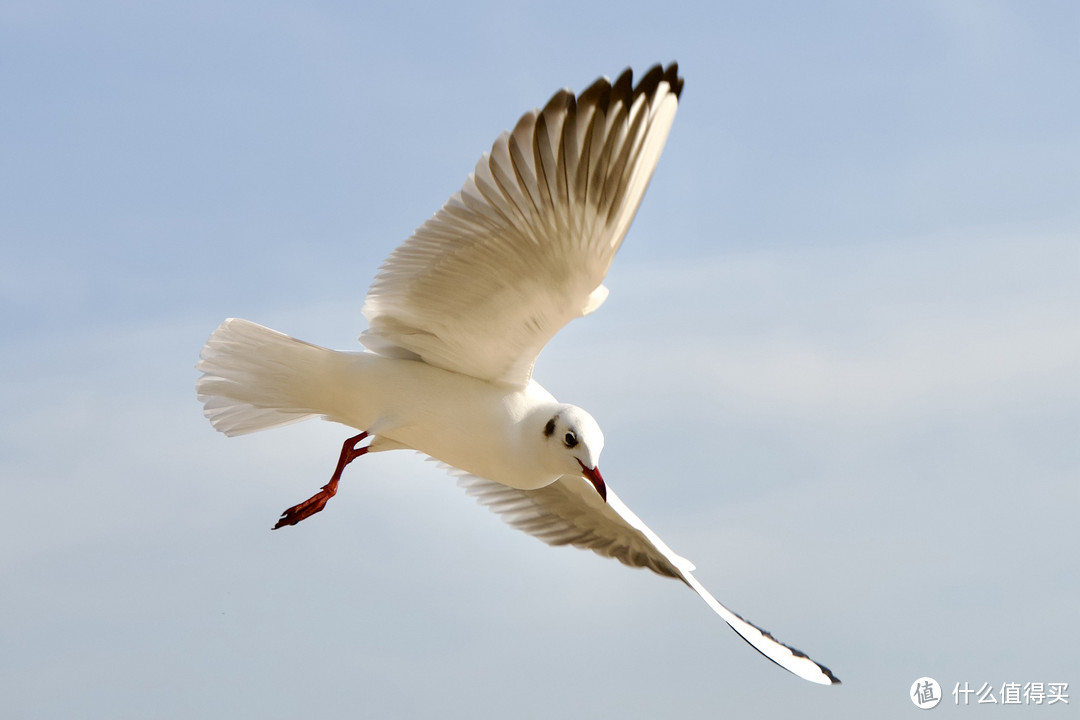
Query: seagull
{"x":456,"y":318}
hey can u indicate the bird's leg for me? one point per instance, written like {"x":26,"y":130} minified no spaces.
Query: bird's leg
{"x":317,"y":502}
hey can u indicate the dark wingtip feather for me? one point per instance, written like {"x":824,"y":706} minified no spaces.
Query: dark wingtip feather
{"x":833,"y":680}
{"x":622,"y":90}
{"x":671,"y":75}
{"x":649,"y":81}
{"x":561,"y":100}
{"x":599,"y":92}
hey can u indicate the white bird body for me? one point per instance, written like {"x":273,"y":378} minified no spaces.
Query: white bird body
{"x":479,"y":427}
{"x":457,"y":316}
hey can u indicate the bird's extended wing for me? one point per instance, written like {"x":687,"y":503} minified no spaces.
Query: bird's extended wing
{"x":570,"y":512}
{"x":523,"y":248}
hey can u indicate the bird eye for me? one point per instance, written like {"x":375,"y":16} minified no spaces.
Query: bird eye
{"x":570,"y":439}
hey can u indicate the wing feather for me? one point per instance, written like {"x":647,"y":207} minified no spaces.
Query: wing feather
{"x":525,"y":244}
{"x":570,"y":512}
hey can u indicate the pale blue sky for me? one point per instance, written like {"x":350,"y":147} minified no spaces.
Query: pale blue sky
{"x":839,"y":368}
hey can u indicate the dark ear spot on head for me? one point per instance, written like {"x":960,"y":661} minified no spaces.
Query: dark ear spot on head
{"x":549,"y":429}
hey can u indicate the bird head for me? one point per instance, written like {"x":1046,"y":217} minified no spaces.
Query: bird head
{"x":574,"y":438}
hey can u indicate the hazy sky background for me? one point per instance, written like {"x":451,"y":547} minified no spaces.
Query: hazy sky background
{"x":839,"y":368}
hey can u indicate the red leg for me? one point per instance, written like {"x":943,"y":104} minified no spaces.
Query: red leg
{"x":317,"y":502}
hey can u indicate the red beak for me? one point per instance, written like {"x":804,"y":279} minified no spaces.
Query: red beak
{"x":593,"y":476}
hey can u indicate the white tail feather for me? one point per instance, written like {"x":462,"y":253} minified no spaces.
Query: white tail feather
{"x":256,"y":378}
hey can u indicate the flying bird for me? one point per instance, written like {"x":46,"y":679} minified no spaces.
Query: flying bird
{"x":456,"y":318}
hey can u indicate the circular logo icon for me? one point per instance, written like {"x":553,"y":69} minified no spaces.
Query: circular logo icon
{"x":925,"y":693}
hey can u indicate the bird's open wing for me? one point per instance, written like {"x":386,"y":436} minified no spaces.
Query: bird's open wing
{"x":571,"y":512}
{"x":523,"y":248}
